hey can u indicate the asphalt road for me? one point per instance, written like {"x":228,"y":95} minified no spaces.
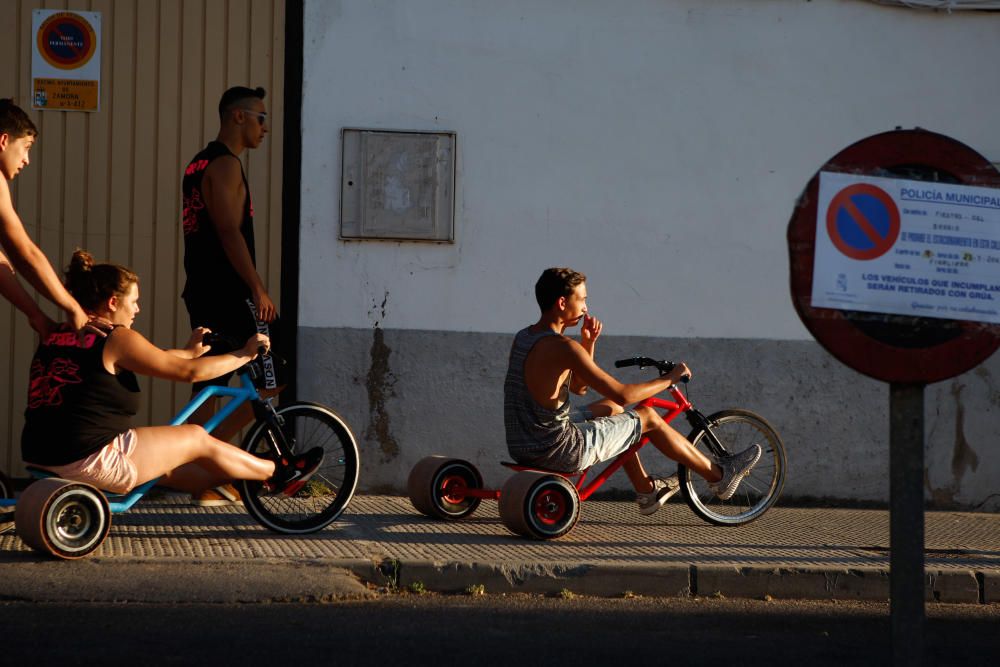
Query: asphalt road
{"x":406,"y":629}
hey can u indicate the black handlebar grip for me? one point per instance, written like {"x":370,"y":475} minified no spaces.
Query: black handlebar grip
{"x":622,"y":363}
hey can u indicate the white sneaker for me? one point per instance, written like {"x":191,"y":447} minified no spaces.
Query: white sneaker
{"x":734,"y":469}
{"x":663,"y":488}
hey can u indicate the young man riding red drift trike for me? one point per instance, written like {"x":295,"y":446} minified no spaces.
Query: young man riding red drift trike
{"x":551,"y":442}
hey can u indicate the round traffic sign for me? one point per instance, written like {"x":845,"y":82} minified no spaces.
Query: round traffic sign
{"x":863,"y":224}
{"x":66,"y":40}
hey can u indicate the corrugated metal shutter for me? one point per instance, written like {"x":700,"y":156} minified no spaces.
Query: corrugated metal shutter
{"x":110,"y":181}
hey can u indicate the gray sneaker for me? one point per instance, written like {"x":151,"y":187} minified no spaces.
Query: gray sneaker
{"x":734,"y":469}
{"x":663,"y":488}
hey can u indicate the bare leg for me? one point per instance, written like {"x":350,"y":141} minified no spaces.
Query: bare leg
{"x":633,"y":466}
{"x":164,"y":449}
{"x":193,"y":478}
{"x":605,"y":408}
{"x":676,"y":446}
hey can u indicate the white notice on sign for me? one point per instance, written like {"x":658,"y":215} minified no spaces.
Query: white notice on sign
{"x":886,"y":245}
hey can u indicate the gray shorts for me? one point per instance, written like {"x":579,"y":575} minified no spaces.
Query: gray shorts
{"x":605,"y":438}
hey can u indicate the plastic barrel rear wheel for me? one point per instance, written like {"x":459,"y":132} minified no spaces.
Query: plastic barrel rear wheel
{"x":538,"y":505}
{"x":759,"y":490}
{"x":325,"y":496}
{"x":62,"y":518}
{"x":437,"y":486}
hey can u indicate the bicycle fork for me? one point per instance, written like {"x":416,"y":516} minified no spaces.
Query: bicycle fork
{"x":281,"y":444}
{"x":699,"y":422}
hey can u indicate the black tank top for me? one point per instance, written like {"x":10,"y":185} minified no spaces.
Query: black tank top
{"x":75,"y":406}
{"x":210,"y":274}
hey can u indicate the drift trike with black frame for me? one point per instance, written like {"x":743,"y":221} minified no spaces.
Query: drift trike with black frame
{"x":71,"y":519}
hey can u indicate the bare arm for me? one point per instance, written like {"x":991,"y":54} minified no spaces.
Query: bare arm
{"x":11,"y":289}
{"x":589,"y":333}
{"x":26,"y":258}
{"x":195,"y":347}
{"x":580,"y":362}
{"x":128,"y":349}
{"x":224,"y":198}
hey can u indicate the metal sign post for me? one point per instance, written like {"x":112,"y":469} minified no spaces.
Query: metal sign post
{"x":906,"y":521}
{"x":918,"y":319}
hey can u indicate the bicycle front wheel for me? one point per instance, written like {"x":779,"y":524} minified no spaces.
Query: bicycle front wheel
{"x":317,"y":504}
{"x":737,"y":430}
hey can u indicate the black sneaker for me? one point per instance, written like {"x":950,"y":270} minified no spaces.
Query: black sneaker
{"x":291,"y":475}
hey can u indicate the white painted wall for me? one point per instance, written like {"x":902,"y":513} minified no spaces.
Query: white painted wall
{"x":645,"y":143}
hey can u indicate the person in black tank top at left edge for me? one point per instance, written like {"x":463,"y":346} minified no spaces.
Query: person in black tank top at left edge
{"x":83,"y":395}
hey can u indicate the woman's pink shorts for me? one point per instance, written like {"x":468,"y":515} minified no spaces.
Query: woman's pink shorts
{"x":109,"y":469}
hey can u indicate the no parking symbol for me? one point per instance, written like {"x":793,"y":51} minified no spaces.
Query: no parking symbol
{"x":66,"y":40}
{"x":862,"y":221}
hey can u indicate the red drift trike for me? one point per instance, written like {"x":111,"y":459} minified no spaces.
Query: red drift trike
{"x":544,"y":504}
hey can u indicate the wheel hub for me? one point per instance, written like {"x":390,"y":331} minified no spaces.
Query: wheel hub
{"x":73,"y":521}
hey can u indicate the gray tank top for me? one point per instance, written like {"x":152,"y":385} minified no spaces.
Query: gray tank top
{"x":537,"y":435}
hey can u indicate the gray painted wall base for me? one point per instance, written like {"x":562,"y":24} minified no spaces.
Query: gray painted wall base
{"x":408,"y":394}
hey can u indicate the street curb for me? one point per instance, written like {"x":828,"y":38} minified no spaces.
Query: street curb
{"x":599,"y":580}
{"x":322,"y":580}
{"x":990,"y":586}
{"x":952,"y":586}
{"x":98,"y":580}
{"x":654,"y":580}
{"x":793,"y":583}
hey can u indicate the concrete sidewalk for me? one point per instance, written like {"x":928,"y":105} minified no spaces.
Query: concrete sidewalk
{"x":613,"y":551}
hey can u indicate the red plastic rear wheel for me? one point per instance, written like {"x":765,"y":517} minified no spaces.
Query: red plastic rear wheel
{"x":539,"y":505}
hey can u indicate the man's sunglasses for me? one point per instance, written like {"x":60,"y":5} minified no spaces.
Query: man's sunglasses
{"x":261,"y":115}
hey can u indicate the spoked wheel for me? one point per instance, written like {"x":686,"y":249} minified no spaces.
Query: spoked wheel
{"x":737,"y":430}
{"x":323,"y":498}
{"x":6,"y":488}
{"x":62,"y":518}
{"x":6,"y":515}
{"x":437,"y":486}
{"x":539,"y":505}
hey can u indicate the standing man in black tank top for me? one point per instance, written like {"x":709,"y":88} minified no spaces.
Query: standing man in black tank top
{"x":223,"y":291}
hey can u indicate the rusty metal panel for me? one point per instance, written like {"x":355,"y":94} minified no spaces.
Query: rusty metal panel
{"x":398,"y":185}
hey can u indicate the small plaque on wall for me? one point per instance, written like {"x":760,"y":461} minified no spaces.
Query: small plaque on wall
{"x":398,"y":185}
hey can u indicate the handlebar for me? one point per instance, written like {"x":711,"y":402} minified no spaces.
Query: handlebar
{"x":661,"y":365}
{"x":226,"y":343}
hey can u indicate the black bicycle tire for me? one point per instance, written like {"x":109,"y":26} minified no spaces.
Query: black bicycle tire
{"x":774,"y":455}
{"x":6,"y":488}
{"x":258,"y":504}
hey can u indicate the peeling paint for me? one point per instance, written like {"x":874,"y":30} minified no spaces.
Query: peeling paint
{"x":380,"y":383}
{"x":963,"y":457}
{"x":993,"y":391}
